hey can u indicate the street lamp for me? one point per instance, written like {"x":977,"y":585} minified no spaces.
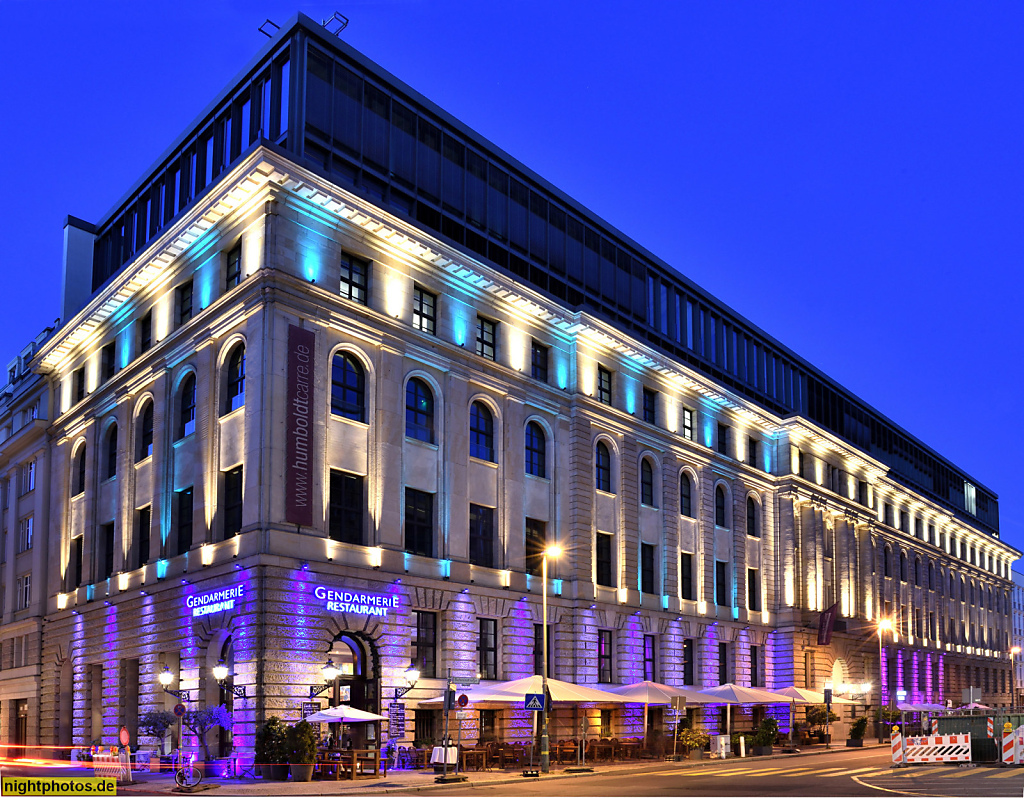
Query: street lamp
{"x":330,"y":673}
{"x":884,"y":625}
{"x":553,"y":551}
{"x":1013,"y":679}
{"x":220,"y":673}
{"x":412,"y":675}
{"x":165,"y":678}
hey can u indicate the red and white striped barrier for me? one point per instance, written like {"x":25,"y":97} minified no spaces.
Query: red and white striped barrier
{"x":1018,"y":754}
{"x":991,"y":725}
{"x":1009,"y":748}
{"x":938,"y":748}
{"x":897,"y":746}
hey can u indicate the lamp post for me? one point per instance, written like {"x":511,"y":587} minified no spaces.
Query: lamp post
{"x":165,"y":678}
{"x":1013,"y":679}
{"x":884,"y":625}
{"x":220,"y":673}
{"x":545,"y":755}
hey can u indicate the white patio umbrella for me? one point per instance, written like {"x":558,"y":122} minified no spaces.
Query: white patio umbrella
{"x":505,"y":693}
{"x":343,"y":714}
{"x":655,"y":693}
{"x":737,"y":694}
{"x":801,"y":695}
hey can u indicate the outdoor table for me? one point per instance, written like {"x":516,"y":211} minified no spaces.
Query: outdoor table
{"x":605,"y":749}
{"x":475,"y":757}
{"x":439,"y":757}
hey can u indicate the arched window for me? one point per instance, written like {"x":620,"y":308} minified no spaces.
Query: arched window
{"x":78,"y":472}
{"x":917,"y":571}
{"x":753,"y":527}
{"x":887,"y":562}
{"x":603,"y":468}
{"x":144,"y":448}
{"x":536,"y":450}
{"x":481,"y":432}
{"x":419,"y":411}
{"x":952,"y":586}
{"x":234,"y":395}
{"x":685,"y":496}
{"x":348,"y":388}
{"x":226,"y":697}
{"x":903,"y":566}
{"x":720,"y":516}
{"x":187,"y":407}
{"x":647,"y":483}
{"x":110,"y":466}
{"x":931,"y":576}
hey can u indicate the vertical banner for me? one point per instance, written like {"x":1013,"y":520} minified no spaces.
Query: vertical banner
{"x":298,"y":489}
{"x":826,"y":623}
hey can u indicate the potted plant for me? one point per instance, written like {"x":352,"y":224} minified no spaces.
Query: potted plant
{"x":765,"y":736}
{"x":694,"y":741}
{"x":272,"y":749}
{"x":857,"y":730}
{"x":302,"y":750}
{"x":155,"y":725}
{"x":200,"y":721}
{"x":818,"y":716}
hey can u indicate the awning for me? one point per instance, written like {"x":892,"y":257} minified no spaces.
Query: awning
{"x":656,"y":693}
{"x":505,"y":694}
{"x":343,"y":714}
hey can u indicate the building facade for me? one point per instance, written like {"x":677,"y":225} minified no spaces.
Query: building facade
{"x":25,"y":415}
{"x":338,"y":370}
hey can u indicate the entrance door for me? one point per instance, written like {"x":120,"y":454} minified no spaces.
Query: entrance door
{"x":20,"y":728}
{"x":357,"y":685}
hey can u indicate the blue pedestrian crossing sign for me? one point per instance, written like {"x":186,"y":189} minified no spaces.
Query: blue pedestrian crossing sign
{"x":534,"y":701}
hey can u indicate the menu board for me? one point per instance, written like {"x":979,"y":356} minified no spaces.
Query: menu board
{"x":396,"y":720}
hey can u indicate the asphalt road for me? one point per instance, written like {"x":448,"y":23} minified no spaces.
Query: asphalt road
{"x":840,"y":774}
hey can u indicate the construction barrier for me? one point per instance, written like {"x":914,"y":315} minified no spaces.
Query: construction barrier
{"x":1009,"y":747}
{"x":991,"y":726}
{"x":897,"y":746}
{"x":936,"y":748}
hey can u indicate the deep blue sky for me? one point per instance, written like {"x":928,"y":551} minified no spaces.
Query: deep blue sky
{"x":846,"y":175}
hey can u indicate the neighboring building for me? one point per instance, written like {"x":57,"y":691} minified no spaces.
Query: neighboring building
{"x":1018,"y":632}
{"x":336,"y":371}
{"x":25,"y":410}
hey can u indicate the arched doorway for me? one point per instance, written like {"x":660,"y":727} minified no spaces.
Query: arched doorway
{"x":225,"y":740}
{"x":358,"y":682}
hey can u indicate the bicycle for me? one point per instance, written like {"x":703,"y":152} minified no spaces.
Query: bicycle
{"x":187,"y":774}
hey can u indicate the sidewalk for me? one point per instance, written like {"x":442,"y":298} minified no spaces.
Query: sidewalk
{"x":405,"y":781}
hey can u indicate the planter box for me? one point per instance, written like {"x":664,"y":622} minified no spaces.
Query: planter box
{"x":855,"y":743}
{"x":697,"y":755}
{"x":302,"y":772}
{"x":761,"y":750}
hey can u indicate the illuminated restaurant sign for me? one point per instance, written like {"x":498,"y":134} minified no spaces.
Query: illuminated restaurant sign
{"x":358,"y":603}
{"x":217,"y":601}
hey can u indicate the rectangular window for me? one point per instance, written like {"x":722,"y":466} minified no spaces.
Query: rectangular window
{"x":888,"y":514}
{"x":78,"y":384}
{"x":232,"y":502}
{"x":424,"y":649}
{"x":647,"y":577}
{"x":76,"y":560}
{"x":419,"y":522}
{"x":481,"y":536}
{"x":606,"y":723}
{"x":538,"y":361}
{"x":25,"y":534}
{"x":862,"y":492}
{"x":107,"y":542}
{"x":723,"y":663}
{"x":28,"y":477}
{"x":345,"y":507}
{"x":604,"y":385}
{"x":650,"y":406}
{"x":688,"y":661}
{"x":233,"y":273}
{"x":424,"y":311}
{"x":722,"y":584}
{"x":904,"y":521}
{"x":184,"y":513}
{"x":752,"y":451}
{"x":486,"y":338}
{"x":24,"y":592}
{"x":603,"y":560}
{"x":487,"y":647}
{"x":146,"y":332}
{"x":536,"y":542}
{"x":650,"y":658}
{"x":538,"y":649}
{"x":687,"y":424}
{"x":686,"y":576}
{"x":753,"y":590}
{"x":355,"y":273}
{"x":108,"y":361}
{"x":604,"y":656}
{"x":755,"y":666}
{"x":723,"y":439}
{"x":144,"y":523}
{"x":488,"y":725}
{"x":183,"y":303}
